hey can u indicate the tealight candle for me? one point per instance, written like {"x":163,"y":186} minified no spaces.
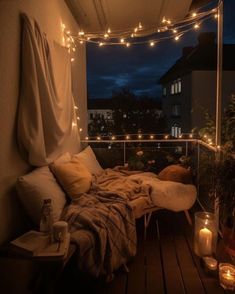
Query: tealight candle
{"x":227,"y":276}
{"x":210,"y":263}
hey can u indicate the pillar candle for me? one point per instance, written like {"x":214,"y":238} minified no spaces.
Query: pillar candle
{"x":205,"y":241}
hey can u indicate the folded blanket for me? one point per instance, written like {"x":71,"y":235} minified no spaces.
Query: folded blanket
{"x":103,"y":227}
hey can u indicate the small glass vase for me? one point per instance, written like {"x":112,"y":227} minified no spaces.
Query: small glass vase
{"x":205,"y":234}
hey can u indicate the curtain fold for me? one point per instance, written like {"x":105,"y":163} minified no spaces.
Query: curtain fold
{"x":46,"y":119}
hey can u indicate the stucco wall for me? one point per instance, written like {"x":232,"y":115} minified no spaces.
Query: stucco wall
{"x":49,"y":14}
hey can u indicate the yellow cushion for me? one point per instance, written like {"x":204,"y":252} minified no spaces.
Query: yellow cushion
{"x":73,"y":176}
{"x":176,"y":173}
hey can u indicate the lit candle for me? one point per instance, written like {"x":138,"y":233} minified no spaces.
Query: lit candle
{"x":210,"y":263}
{"x":227,"y":276}
{"x":205,"y":241}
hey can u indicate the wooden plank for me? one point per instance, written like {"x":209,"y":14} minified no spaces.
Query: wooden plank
{"x":172,"y":273}
{"x":209,"y":282}
{"x":191,"y":278}
{"x":118,"y":285}
{"x":154,"y":273}
{"x":136,"y":283}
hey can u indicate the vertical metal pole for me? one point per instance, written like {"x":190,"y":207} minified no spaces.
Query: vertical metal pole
{"x":219,"y":73}
{"x":186,"y":148}
{"x":219,"y":91}
{"x":124,"y":152}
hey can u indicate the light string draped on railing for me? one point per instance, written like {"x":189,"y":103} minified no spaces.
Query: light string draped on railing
{"x":137,"y":35}
{"x":207,"y":141}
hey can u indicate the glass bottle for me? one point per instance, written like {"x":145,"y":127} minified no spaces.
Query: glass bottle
{"x":46,"y":220}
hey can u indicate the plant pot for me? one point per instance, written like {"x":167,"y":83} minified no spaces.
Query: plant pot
{"x":229,"y":240}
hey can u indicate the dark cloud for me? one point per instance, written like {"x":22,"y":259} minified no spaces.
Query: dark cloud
{"x":139,"y":67}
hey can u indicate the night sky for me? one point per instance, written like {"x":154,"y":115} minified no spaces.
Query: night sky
{"x":139,"y":67}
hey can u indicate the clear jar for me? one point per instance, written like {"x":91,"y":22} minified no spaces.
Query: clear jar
{"x":46,"y":220}
{"x":205,"y":234}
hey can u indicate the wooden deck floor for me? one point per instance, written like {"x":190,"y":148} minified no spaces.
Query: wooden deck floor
{"x":165,"y":263}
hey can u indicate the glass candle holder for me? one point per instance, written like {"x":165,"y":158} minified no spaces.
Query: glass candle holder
{"x":227,"y":276}
{"x":205,"y":234}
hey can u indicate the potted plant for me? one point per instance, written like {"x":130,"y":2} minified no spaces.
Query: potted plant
{"x":224,"y":187}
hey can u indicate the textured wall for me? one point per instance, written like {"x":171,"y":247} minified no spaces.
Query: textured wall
{"x":49,"y":15}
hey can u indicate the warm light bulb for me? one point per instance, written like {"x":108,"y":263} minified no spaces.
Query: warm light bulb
{"x":140,"y":25}
{"x":74,"y":124}
{"x":68,"y":32}
{"x":72,"y":59}
{"x":78,"y":118}
{"x":151,"y":137}
{"x":163,"y":20}
{"x":122,"y":40}
{"x":132,"y":35}
{"x":152,"y":44}
{"x":166,"y":137}
{"x":194,"y":14}
{"x":216,"y":15}
{"x":127,"y":137}
{"x":169,"y":21}
{"x":177,"y":38}
{"x":74,"y":49}
{"x":139,"y":136}
{"x":88,"y":38}
{"x":81,"y":42}
{"x":81,"y":33}
{"x":80,"y":130}
{"x":101,"y":44}
{"x":196,"y":26}
{"x":108,"y":31}
{"x":127,"y":44}
{"x":190,"y":135}
{"x":86,"y":138}
{"x":159,"y":31}
{"x":174,"y":31}
{"x":106,"y":36}
{"x":98,"y":138}
{"x":75,"y":107}
{"x":180,"y":136}
{"x":113,"y":138}
{"x":136,"y":30}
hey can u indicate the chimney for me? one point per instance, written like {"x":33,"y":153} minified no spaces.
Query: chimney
{"x":206,"y":39}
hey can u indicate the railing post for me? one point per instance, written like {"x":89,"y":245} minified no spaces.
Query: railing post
{"x":186,"y":148}
{"x":198,"y":166}
{"x":124,"y":153}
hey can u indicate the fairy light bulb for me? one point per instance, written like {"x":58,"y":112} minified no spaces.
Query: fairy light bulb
{"x":81,"y":42}
{"x":177,"y":38}
{"x":80,"y":130}
{"x":98,"y":138}
{"x":72,"y":59}
{"x":151,"y":137}
{"x":74,"y":124}
{"x":140,"y":26}
{"x":152,"y":44}
{"x":88,"y":38}
{"x":109,"y":31}
{"x":86,"y":138}
{"x":216,"y":16}
{"x":68,"y":32}
{"x":136,"y":30}
{"x":101,"y":44}
{"x":78,"y":118}
{"x":128,"y":44}
{"x":127,"y":137}
{"x":166,"y":137}
{"x":139,"y":136}
{"x":194,"y":14}
{"x":81,"y":33}
{"x":132,"y":35}
{"x":106,"y":36}
{"x":196,"y":26}
{"x":163,"y":20}
{"x":122,"y":40}
{"x":175,"y":31}
{"x":75,"y":107}
{"x":113,"y":137}
{"x":190,"y":135}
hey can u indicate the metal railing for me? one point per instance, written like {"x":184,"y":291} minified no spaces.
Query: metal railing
{"x":112,"y":152}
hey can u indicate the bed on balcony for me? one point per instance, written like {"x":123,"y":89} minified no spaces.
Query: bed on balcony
{"x":100,"y":206}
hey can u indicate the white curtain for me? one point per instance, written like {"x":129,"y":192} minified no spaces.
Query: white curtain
{"x":46,"y":119}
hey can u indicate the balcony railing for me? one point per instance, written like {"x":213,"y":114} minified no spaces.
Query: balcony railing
{"x":111,"y":152}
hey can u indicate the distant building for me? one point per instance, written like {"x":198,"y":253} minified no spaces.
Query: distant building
{"x":189,"y":86}
{"x":99,"y":108}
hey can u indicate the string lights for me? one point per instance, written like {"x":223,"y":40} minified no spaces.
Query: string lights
{"x":168,"y":29}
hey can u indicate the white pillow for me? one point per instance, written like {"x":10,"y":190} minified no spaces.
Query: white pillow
{"x":88,"y":158}
{"x":38,"y":185}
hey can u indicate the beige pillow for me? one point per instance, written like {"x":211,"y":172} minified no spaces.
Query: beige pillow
{"x":88,"y":158}
{"x":36,"y":186}
{"x":176,"y":173}
{"x":73,"y":176}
